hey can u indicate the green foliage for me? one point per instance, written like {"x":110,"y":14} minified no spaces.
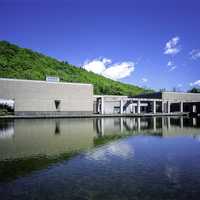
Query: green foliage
{"x":20,"y":63}
{"x":6,"y":109}
{"x":194,"y":90}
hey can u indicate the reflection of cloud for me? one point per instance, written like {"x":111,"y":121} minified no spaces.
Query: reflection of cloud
{"x":197,"y":137}
{"x":172,"y":174}
{"x":6,"y":133}
{"x":121,"y":150}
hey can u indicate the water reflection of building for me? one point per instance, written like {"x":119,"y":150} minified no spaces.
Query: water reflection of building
{"x":51,"y":137}
{"x":156,"y":125}
{"x":48,"y":137}
{"x":6,"y":129}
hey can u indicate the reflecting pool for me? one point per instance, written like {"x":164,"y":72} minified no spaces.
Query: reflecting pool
{"x":100,"y":158}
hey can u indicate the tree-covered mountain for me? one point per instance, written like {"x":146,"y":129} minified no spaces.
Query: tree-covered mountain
{"x":21,"y":63}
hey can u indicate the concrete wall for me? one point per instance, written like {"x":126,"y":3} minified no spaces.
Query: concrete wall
{"x":111,"y":107}
{"x":38,"y":97}
{"x":111,"y":103}
{"x":155,"y":95}
{"x":179,"y":96}
{"x":172,"y":96}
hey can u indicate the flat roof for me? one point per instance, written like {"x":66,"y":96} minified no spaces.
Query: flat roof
{"x":40,"y":81}
{"x":172,"y":93}
{"x":110,"y":96}
{"x":167,"y":92}
{"x":182,"y":93}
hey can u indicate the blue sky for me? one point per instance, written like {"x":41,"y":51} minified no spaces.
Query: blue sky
{"x":149,"y":43}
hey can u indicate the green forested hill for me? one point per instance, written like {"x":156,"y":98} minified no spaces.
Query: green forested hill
{"x":20,"y":63}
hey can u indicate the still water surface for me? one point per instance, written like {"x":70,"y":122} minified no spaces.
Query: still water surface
{"x":100,"y":159}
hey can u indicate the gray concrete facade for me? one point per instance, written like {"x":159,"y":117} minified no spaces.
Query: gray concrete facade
{"x":47,"y":98}
{"x":43,"y":98}
{"x":160,"y":102}
{"x":171,"y":96}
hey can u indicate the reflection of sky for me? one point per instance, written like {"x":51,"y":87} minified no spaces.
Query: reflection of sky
{"x":6,"y":133}
{"x":172,"y":173}
{"x":140,"y":167}
{"x":121,"y":150}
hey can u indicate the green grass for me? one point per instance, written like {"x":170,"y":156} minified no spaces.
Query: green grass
{"x":21,"y":63}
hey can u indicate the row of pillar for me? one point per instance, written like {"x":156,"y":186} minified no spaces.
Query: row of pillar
{"x":169,"y":107}
{"x":139,"y":107}
{"x":166,"y":124}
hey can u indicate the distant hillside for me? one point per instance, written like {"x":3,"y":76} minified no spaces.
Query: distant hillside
{"x":20,"y":63}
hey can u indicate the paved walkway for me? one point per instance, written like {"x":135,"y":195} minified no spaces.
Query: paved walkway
{"x":93,"y":115}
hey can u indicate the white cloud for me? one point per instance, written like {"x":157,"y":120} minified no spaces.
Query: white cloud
{"x":180,"y":85}
{"x":172,"y":68}
{"x":171,"y":47}
{"x":106,"y":68}
{"x":119,"y":71}
{"x":144,"y":80}
{"x":97,"y":65}
{"x":195,"y":54}
{"x":171,"y":65}
{"x":196,"y":83}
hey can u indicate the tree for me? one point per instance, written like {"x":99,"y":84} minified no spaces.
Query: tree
{"x":194,"y":90}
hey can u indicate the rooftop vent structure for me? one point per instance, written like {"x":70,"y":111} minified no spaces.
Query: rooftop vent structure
{"x":52,"y":79}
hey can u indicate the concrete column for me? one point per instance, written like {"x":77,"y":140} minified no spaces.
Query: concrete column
{"x":168,"y":107}
{"x":121,"y":106}
{"x":102,"y":105}
{"x":98,"y":106}
{"x":138,"y":107}
{"x":181,"y":106}
{"x":154,"y":107}
{"x":133,"y":109}
{"x":194,"y":108}
{"x":163,"y":107}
